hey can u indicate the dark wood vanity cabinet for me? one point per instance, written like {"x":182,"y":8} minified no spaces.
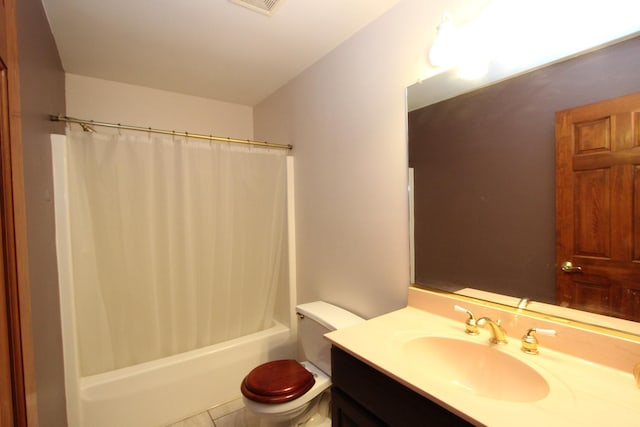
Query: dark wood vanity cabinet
{"x":364,"y":397}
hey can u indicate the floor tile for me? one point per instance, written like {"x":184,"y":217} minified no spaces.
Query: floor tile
{"x":240,"y":418}
{"x":226,"y":408}
{"x":200,"y":420}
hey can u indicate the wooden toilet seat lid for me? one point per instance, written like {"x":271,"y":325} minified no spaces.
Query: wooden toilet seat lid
{"x":277,"y":382}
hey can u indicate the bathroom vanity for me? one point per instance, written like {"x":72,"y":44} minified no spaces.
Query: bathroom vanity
{"x":365,"y":397}
{"x":417,"y":367}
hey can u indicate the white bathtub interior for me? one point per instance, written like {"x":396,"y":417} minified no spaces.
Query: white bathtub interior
{"x":163,"y":391}
{"x":159,"y":392}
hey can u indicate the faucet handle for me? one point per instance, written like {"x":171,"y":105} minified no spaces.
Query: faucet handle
{"x":530,"y":342}
{"x":470,"y":326}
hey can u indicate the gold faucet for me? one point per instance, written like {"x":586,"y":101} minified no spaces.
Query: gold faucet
{"x":498,"y":334}
{"x":636,"y":373}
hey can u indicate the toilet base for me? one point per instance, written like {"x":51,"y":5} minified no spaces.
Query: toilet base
{"x":316,"y":414}
{"x":322,"y":414}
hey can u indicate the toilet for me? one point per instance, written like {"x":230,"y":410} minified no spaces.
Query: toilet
{"x":284,"y":393}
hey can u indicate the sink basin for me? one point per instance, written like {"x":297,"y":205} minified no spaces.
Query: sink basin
{"x":478,"y":368}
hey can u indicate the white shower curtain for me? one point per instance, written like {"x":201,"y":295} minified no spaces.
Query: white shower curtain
{"x":176,"y":244}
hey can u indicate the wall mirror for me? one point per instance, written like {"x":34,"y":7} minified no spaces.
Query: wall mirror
{"x":483,"y":166}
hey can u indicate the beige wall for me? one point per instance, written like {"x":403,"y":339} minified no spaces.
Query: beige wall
{"x":346,"y":118}
{"x":42,"y":93}
{"x":107,"y":101}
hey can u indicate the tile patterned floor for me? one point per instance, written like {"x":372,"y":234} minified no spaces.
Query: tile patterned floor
{"x":231,"y":414}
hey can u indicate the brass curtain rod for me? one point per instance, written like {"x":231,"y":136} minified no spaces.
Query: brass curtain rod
{"x":84,"y":123}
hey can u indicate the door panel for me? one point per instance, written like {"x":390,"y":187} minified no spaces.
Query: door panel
{"x":592,"y":213}
{"x":631,"y":303}
{"x":593,"y":136}
{"x":598,"y":207}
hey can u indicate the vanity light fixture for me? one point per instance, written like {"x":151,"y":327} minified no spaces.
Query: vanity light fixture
{"x":454,"y":47}
{"x":467,"y":47}
{"x":444,"y":51}
{"x":473,"y":67}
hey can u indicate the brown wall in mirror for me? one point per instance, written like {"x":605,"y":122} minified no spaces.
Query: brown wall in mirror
{"x":484,"y":174}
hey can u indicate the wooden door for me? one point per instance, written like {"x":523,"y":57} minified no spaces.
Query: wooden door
{"x":17,"y":383}
{"x":7,"y":407}
{"x":598,"y":207}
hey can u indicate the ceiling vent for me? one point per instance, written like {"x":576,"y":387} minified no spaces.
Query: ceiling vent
{"x":266,"y":7}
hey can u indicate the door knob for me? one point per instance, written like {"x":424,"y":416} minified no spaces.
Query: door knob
{"x":568,"y":267}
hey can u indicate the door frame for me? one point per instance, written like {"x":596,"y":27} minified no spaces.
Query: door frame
{"x":18,"y":349}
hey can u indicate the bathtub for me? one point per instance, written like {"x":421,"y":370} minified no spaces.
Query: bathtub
{"x":163,"y":391}
{"x":166,"y":390}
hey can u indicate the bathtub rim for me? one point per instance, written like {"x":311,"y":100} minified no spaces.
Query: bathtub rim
{"x":142,"y":368}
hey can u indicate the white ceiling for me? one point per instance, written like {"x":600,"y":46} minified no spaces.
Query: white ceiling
{"x":210,"y":48}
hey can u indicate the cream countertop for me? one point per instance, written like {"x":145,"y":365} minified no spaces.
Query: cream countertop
{"x":582,"y":392}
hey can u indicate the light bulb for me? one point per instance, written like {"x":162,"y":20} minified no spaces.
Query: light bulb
{"x":443,"y":53}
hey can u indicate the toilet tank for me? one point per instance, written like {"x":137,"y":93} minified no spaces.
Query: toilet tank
{"x":316,"y":319}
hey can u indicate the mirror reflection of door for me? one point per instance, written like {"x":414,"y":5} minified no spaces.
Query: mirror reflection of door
{"x":598,"y":207}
